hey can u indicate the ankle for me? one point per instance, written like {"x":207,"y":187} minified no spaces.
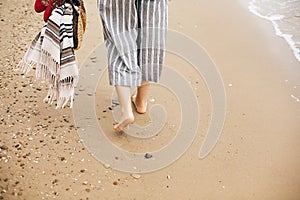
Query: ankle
{"x":127,"y":115}
{"x":140,"y":101}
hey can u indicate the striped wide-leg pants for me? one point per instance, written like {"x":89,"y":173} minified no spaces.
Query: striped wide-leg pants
{"x":135,"y":36}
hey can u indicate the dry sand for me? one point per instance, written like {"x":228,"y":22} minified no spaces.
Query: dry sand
{"x":256,"y":157}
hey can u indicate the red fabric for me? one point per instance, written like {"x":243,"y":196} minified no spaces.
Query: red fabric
{"x":39,"y":7}
{"x":48,"y":11}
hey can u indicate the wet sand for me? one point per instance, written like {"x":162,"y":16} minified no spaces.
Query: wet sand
{"x":256,"y":157}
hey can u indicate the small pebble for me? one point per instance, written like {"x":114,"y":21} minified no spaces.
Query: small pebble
{"x":84,"y":183}
{"x":3,"y":147}
{"x":115,"y":102}
{"x":106,"y":166}
{"x":152,"y":100}
{"x":148,"y":155}
{"x":136,"y":176}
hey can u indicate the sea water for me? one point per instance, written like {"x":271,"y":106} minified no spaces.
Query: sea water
{"x":285,"y":17}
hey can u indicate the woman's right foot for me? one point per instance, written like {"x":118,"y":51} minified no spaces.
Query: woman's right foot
{"x":140,"y":108}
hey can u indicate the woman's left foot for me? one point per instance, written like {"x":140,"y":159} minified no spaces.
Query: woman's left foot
{"x":121,"y":127}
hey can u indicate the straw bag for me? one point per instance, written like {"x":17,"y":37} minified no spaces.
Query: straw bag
{"x":79,"y":24}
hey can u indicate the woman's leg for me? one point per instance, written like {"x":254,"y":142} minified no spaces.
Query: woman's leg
{"x":153,"y":25}
{"x":124,"y":94}
{"x":140,"y":99}
{"x":119,"y":19}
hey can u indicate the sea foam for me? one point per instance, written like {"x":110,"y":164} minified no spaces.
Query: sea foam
{"x":284,"y":15}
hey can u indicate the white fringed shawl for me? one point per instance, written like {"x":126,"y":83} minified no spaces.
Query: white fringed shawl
{"x":53,"y":55}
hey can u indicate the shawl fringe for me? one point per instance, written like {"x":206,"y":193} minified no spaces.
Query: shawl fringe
{"x":45,"y":53}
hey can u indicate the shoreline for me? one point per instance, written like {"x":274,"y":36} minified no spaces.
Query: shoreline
{"x":273,"y":19}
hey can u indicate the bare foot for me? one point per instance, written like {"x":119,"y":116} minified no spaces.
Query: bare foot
{"x":141,"y":109}
{"x":120,"y":127}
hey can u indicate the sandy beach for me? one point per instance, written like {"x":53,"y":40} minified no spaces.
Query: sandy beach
{"x":256,"y":157}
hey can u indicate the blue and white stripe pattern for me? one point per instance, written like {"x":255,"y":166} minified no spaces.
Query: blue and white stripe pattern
{"x":135,"y":35}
